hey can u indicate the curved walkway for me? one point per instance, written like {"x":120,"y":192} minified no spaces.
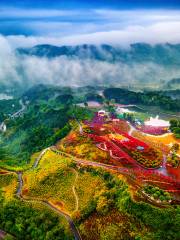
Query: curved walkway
{"x":38,"y":159}
{"x":121,"y":170}
{"x":46,"y":203}
{"x":3,"y":127}
{"x":68,"y":218}
{"x":131,"y":130}
{"x":74,"y":191}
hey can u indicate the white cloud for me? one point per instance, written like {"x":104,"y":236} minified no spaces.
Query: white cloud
{"x":157,"y":33}
{"x":94,"y":25}
{"x":101,"y":26}
{"x":104,"y":26}
{"x":63,"y":71}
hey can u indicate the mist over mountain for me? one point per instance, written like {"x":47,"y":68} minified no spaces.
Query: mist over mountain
{"x":139,"y":66}
{"x":164,"y":54}
{"x":140,"y":63}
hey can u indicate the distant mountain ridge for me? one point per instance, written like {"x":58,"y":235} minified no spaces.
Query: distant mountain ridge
{"x":164,"y":54}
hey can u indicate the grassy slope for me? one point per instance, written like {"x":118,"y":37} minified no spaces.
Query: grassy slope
{"x":19,"y":212}
{"x":54,"y":179}
{"x":96,"y":190}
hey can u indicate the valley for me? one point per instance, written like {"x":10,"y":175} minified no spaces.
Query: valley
{"x":89,"y":120}
{"x":94,"y":170}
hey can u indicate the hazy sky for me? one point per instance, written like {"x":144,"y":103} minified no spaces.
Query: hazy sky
{"x":27,"y":23}
{"x":122,"y":22}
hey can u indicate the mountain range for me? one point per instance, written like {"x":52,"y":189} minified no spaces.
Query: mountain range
{"x":163,"y":54}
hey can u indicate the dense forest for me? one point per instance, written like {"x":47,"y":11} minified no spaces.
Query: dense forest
{"x":125,"y":96}
{"x":24,"y":222}
{"x":175,"y":127}
{"x":50,"y":111}
{"x":155,"y":223}
{"x":47,"y":118}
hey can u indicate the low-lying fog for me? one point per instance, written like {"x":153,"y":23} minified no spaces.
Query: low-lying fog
{"x":64,"y":71}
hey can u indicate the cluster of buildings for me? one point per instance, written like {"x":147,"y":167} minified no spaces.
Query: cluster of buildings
{"x":152,"y":125}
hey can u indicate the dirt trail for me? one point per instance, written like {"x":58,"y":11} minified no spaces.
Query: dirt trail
{"x":74,"y":191}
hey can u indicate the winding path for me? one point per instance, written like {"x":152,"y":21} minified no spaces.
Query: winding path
{"x":19,"y":112}
{"x":121,"y":170}
{"x":74,"y":191}
{"x":3,"y":127}
{"x":38,"y":159}
{"x":68,"y":218}
{"x":79,"y":124}
{"x":46,"y":203}
{"x":131,"y":130}
{"x":74,"y":230}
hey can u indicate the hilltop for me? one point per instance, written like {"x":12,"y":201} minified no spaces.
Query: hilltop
{"x":164,"y":54}
{"x":81,"y":162}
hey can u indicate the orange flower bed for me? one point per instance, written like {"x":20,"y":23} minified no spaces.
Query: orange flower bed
{"x":166,"y":139}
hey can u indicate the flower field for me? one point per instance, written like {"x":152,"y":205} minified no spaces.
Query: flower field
{"x":109,"y":226}
{"x":87,"y":186}
{"x":82,"y":147}
{"x":8,"y":183}
{"x":52,"y":180}
{"x":162,"y":142}
{"x":59,"y":181}
{"x":131,"y":150}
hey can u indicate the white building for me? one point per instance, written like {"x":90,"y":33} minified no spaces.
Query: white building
{"x":102,"y":113}
{"x":156,"y":122}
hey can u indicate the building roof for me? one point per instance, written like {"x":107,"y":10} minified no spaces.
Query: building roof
{"x":156,"y":122}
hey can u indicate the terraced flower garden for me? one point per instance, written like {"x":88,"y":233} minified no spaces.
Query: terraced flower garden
{"x":138,"y":151}
{"x":150,"y":159}
{"x":82,"y":147}
{"x":58,"y":180}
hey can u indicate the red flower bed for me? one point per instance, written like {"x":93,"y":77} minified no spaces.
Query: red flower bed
{"x":152,"y":130}
{"x":174,"y":171}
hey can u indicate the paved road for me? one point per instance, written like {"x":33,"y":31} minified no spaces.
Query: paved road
{"x":38,"y":159}
{"x":131,"y":130}
{"x":75,"y":231}
{"x":3,"y":127}
{"x":16,"y":114}
{"x":121,"y":170}
{"x":68,"y":218}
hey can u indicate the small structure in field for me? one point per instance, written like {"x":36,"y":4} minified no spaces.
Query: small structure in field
{"x":154,"y":126}
{"x":102,"y":113}
{"x":156,"y":122}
